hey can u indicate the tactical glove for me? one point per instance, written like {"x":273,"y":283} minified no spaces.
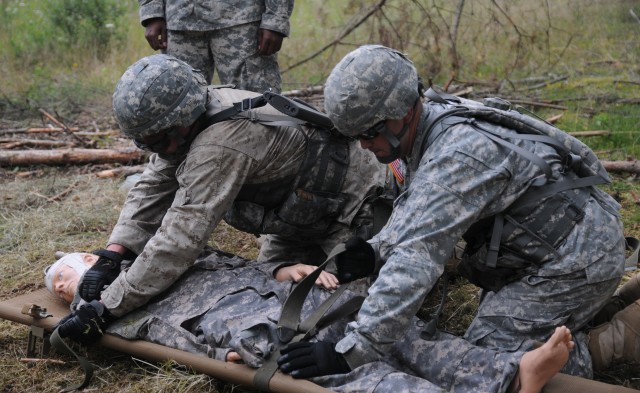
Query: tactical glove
{"x":102,"y":273}
{"x":86,"y":325}
{"x":357,"y":261}
{"x":306,"y":360}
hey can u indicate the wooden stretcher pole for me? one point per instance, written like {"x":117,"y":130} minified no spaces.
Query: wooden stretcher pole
{"x":231,"y":372}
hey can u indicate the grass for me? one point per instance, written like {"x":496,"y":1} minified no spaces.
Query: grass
{"x":593,"y":43}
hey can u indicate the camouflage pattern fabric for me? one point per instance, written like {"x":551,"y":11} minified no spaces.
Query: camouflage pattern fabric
{"x":172,"y":211}
{"x":225,"y":303}
{"x":223,"y":35}
{"x":461,"y":178}
{"x":232,"y":52}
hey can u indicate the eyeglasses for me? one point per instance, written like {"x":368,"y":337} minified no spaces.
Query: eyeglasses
{"x":159,"y":145}
{"x":373,"y":132}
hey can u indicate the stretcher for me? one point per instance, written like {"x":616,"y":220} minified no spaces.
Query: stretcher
{"x":41,"y":311}
{"x":42,"y":302}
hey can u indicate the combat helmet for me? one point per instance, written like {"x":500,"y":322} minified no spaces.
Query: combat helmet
{"x":156,"y":93}
{"x":370,"y":84}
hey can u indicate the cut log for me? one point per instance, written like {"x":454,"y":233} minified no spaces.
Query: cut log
{"x":70,"y":156}
{"x":622,"y":166}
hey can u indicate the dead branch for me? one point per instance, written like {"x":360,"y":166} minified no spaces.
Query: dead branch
{"x":64,"y":127}
{"x":590,"y":133}
{"x":38,"y":360}
{"x":622,"y":166}
{"x":121,"y":171}
{"x":628,"y":82}
{"x":633,"y":15}
{"x":554,"y":118}
{"x":57,"y":197}
{"x":350,"y":27}
{"x":70,"y":156}
{"x":538,"y":104}
{"x":13,"y":143}
{"x":304,"y":92}
{"x":36,"y":130}
{"x":546,"y":83}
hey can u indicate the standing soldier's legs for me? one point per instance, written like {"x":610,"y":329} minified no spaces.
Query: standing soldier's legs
{"x":531,"y":308}
{"x":193,"y":48}
{"x":237,"y":61}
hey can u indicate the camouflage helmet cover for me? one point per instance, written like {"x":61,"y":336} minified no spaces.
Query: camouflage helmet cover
{"x":370,"y":84}
{"x":158,"y":92}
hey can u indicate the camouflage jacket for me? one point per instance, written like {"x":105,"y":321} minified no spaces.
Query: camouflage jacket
{"x":172,"y":211}
{"x":194,"y":15}
{"x":459,"y":179}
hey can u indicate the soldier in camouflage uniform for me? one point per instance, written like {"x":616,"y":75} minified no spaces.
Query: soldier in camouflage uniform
{"x":456,"y":179}
{"x":311,"y":188}
{"x":227,"y":308}
{"x":240,"y":39}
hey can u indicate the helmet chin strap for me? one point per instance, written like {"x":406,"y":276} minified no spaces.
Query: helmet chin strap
{"x":394,"y":141}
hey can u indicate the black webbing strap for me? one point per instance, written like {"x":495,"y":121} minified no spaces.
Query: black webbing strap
{"x":290,"y":316}
{"x":291,"y":330}
{"x":240,"y":106}
{"x":58,"y":343}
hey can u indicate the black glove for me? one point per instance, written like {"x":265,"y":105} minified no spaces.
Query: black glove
{"x":306,"y":360}
{"x":102,"y":273}
{"x":357,"y":261}
{"x":86,"y":324}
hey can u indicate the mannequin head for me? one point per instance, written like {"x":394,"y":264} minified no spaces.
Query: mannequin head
{"x":62,"y":277}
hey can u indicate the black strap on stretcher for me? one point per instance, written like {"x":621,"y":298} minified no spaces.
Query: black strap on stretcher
{"x":58,"y":343}
{"x":290,"y":329}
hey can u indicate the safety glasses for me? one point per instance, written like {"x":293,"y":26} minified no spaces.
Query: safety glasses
{"x":373,"y":132}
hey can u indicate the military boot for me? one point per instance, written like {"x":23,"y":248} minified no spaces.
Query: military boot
{"x":564,"y":383}
{"x":623,"y":297}
{"x":618,"y":339}
{"x":630,"y":291}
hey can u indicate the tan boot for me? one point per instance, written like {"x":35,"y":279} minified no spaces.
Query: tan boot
{"x":563,"y":383}
{"x":624,"y":296}
{"x":617,"y":339}
{"x":630,"y":291}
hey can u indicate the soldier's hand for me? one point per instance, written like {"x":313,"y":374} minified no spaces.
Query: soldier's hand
{"x":86,"y":325}
{"x":102,"y":273}
{"x":357,"y":261}
{"x":306,"y":360}
{"x":156,"y":33}
{"x":269,"y":42}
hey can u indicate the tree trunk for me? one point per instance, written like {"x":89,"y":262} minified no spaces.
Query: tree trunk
{"x":70,"y":156}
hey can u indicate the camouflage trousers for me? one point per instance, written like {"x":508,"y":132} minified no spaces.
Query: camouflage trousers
{"x":530,"y":309}
{"x":232,"y":52}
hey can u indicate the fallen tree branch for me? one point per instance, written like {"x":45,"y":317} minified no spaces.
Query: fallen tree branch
{"x":589,"y":133}
{"x":555,"y":118}
{"x":121,"y":171}
{"x":12,"y":144}
{"x":622,"y":166}
{"x":539,"y":104}
{"x":65,"y":128}
{"x":36,"y":130}
{"x":59,"y":196}
{"x":70,"y":156}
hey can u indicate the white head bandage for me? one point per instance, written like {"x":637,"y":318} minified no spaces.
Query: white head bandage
{"x":73,"y":260}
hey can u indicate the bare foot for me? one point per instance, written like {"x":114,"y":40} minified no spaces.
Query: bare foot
{"x":537,"y":367}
